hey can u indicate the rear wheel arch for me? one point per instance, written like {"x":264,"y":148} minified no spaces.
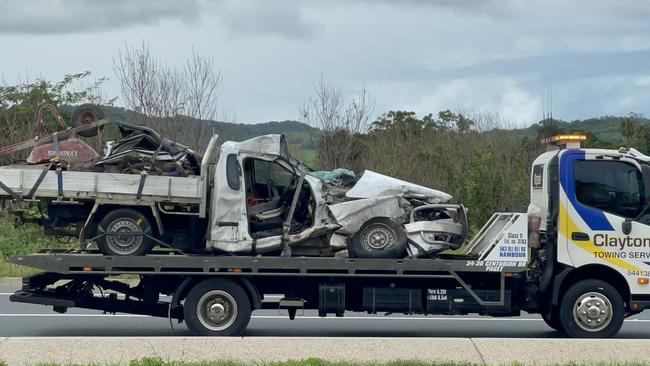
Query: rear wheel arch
{"x":252,"y":291}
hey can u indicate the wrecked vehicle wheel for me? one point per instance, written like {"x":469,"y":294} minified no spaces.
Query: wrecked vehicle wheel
{"x":133,"y":225}
{"x":86,"y":114}
{"x":379,"y":237}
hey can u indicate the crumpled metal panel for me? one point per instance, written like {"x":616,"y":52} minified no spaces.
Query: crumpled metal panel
{"x":428,"y":237}
{"x":352,"y":214}
{"x":272,"y":243}
{"x":273,"y":144}
{"x":373,"y":184}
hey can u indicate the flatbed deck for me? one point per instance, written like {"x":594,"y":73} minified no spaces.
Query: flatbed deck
{"x":182,"y":264}
{"x":453,"y":284}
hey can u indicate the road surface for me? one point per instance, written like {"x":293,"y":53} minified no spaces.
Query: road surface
{"x":25,"y":320}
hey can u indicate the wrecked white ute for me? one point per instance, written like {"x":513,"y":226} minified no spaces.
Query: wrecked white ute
{"x":264,"y":202}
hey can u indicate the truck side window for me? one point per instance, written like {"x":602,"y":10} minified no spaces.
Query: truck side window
{"x":233,"y":172}
{"x":612,"y":186}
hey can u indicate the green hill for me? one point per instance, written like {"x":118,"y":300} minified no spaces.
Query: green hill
{"x":602,"y":131}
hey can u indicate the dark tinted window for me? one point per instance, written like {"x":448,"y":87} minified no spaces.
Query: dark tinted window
{"x":611,"y":186}
{"x":233,"y":172}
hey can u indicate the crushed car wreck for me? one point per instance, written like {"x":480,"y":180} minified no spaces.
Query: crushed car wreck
{"x":286,"y":207}
{"x":245,"y":198}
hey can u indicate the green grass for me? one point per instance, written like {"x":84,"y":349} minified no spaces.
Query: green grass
{"x":20,"y":240}
{"x":155,"y":361}
{"x":307,"y":156}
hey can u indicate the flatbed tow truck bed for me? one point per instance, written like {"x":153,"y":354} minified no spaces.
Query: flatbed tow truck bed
{"x":62,"y":262}
{"x":331,"y":285}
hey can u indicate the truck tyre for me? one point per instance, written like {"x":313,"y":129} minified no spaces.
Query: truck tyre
{"x":592,"y":309}
{"x":217,"y":307}
{"x":125,"y":221}
{"x":379,"y":237}
{"x":553,"y":319}
{"x":85,"y":114}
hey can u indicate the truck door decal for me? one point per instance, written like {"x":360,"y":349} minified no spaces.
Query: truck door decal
{"x":594,"y":218}
{"x":567,"y":226}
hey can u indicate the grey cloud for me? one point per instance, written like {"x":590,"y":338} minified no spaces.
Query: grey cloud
{"x":557,"y":67}
{"x":73,"y":16}
{"x":614,"y":10}
{"x":282,"y":18}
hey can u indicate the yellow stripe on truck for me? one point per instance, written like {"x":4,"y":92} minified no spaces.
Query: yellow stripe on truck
{"x":568,"y":226}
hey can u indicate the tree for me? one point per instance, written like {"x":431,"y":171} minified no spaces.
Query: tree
{"x":455,"y":121}
{"x":642,"y":140}
{"x":548,"y":127}
{"x":168,"y":95}
{"x":340,"y":122}
{"x":627,"y":128}
{"x":404,"y":123}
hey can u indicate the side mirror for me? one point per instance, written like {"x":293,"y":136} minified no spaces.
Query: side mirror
{"x":626,"y":226}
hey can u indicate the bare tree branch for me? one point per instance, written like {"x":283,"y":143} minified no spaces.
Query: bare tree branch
{"x":170,"y":96}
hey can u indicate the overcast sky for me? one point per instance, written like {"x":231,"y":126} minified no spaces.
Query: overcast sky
{"x":499,"y":56}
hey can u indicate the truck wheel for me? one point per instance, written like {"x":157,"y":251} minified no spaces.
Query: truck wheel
{"x":379,"y":237}
{"x":86,"y":114}
{"x":125,"y":221}
{"x":592,"y":309}
{"x":217,"y":307}
{"x":553,"y":320}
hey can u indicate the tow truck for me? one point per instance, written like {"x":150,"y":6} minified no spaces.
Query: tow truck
{"x":579,"y":256}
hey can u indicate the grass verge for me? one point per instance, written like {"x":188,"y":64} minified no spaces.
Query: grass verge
{"x":20,"y":240}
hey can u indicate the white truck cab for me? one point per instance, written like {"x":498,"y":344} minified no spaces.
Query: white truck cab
{"x":592,"y":210}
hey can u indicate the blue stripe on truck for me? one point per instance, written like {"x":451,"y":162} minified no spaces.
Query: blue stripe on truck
{"x":594,"y":218}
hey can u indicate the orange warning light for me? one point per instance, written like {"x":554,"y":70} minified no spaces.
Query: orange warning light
{"x":564,"y":138}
